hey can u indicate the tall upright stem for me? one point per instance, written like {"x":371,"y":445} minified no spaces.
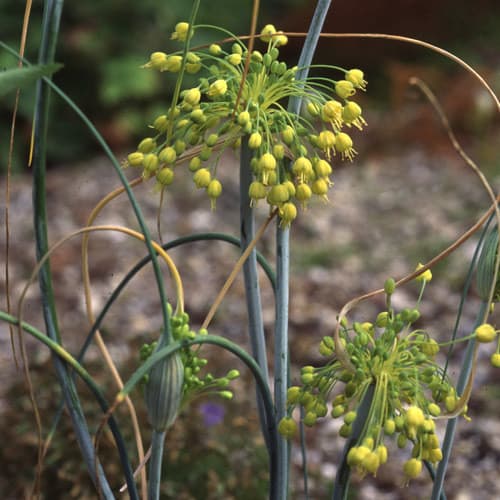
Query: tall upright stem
{"x":251,"y":278}
{"x":281,"y":356}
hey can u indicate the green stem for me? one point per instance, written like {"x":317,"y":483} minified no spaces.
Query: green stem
{"x":157,"y":444}
{"x":281,"y":355}
{"x":251,"y":277}
{"x":449,"y":437}
{"x":180,"y":77}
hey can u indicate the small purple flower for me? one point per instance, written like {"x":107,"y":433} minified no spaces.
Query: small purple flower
{"x":212,"y":413}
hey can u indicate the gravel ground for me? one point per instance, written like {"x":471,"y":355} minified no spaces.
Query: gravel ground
{"x":385,"y":214}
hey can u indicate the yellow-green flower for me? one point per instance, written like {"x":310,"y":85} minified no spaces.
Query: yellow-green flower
{"x":425,"y":276}
{"x":181,"y":32}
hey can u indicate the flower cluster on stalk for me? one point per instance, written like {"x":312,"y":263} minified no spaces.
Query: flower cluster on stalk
{"x":290,"y":154}
{"x":391,"y":363}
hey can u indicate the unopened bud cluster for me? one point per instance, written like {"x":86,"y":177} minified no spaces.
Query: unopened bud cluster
{"x":194,"y":383}
{"x":290,"y":155}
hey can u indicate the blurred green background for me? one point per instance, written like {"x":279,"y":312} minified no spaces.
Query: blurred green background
{"x":102,"y":45}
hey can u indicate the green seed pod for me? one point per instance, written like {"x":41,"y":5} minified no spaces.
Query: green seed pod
{"x":389,"y":286}
{"x":350,"y":417}
{"x":163,"y":392}
{"x":197,"y":116}
{"x":288,"y":135}
{"x":402,"y":440}
{"x":267,"y":60}
{"x":205,"y":153}
{"x":179,"y":146}
{"x":195,"y":164}
{"x":310,"y":418}
{"x":211,"y":140}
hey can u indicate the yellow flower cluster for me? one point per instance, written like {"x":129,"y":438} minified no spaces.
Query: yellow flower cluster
{"x":290,"y":154}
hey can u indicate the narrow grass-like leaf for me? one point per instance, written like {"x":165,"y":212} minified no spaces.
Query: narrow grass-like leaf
{"x":68,"y":359}
{"x":342,"y":480}
{"x":12,"y":79}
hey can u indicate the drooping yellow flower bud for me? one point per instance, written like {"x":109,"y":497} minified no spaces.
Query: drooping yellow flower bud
{"x":202,"y":178}
{"x":167,"y":155}
{"x":217,"y":88}
{"x":267,"y":31}
{"x":214,"y":190}
{"x":485,"y":333}
{"x":343,"y":144}
{"x":158,"y":61}
{"x":287,"y":213}
{"x":215,"y":49}
{"x":281,"y":39}
{"x":344,"y":89}
{"x":135,"y":159}
{"x":165,"y":176}
{"x":173,"y":64}
{"x":287,"y":427}
{"x":425,"y":276}
{"x":192,"y":96}
{"x":234,"y":59}
{"x":356,"y":77}
{"x":257,"y":191}
{"x":255,"y":140}
{"x":193,"y":63}
{"x":146,"y":145}
{"x":326,"y":141}
{"x":414,"y":416}
{"x":181,"y":32}
{"x":412,"y":468}
{"x":320,"y":188}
